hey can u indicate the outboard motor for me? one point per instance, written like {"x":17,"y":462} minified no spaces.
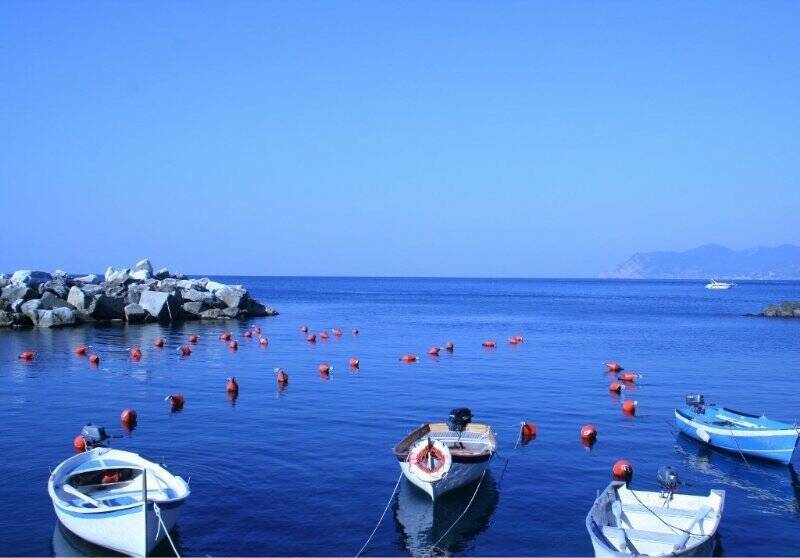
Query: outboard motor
{"x":459,"y":419}
{"x":697,"y":402}
{"x":95,"y":436}
{"x":668,"y":479}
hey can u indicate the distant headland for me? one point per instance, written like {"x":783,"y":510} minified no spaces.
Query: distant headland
{"x":712,"y":261}
{"x":134,"y":295}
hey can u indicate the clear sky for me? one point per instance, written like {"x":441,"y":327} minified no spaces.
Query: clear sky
{"x":376,"y":138}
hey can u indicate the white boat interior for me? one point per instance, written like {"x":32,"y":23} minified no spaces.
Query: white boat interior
{"x":474,"y":442}
{"x":635,"y":522}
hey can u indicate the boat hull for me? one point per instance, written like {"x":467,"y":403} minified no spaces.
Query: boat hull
{"x":705,"y":549}
{"x":459,"y":474}
{"x":772,"y":444}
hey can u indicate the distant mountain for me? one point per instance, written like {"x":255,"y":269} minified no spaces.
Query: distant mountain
{"x":712,"y":261}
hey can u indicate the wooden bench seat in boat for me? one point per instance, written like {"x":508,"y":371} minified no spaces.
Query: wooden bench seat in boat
{"x":662,"y":511}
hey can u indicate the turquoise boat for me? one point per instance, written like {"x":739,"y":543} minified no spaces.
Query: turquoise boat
{"x":737,"y":432}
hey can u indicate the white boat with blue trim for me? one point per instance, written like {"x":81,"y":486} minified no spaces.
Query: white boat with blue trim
{"x":737,"y":432}
{"x":116,"y":499}
{"x":715,"y":285}
{"x":625,"y":522}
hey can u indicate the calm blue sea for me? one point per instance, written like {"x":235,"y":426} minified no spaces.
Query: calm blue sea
{"x":307,"y":470}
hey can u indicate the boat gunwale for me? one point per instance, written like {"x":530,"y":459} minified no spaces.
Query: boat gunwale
{"x":735,"y":429}
{"x":403,"y":447}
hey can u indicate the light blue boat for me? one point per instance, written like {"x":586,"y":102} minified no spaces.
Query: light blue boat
{"x":737,"y":432}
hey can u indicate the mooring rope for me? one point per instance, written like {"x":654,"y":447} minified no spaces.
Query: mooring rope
{"x":388,"y":503}
{"x":157,"y":511}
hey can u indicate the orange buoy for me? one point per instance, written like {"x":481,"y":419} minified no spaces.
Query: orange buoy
{"x":355,"y":331}
{"x":489,"y":344}
{"x":226,"y":336}
{"x":281,"y":376}
{"x":354,"y":363}
{"x":248,"y":334}
{"x":434,"y":351}
{"x":409,"y":358}
{"x":94,"y":359}
{"x":263,"y":341}
{"x":186,"y":350}
{"x":629,"y":377}
{"x":337,"y":332}
{"x":527,"y":430}
{"x":519,"y":338}
{"x":26,"y":355}
{"x":622,"y":470}
{"x":324,"y":368}
{"x":233,"y":345}
{"x":136,"y":353}
{"x":109,"y":477}
{"x":160,"y":342}
{"x":233,"y":385}
{"x":613,"y":366}
{"x":128,"y":417}
{"x":311,"y":338}
{"x":588,"y":432}
{"x":512,"y":341}
{"x":616,"y":387}
{"x":79,"y":444}
{"x":193,"y":339}
{"x":176,"y":401}
{"x":323,"y":335}
{"x":449,"y":346}
{"x":629,"y":407}
{"x":80,"y":350}
{"x":257,"y":329}
{"x":304,"y":329}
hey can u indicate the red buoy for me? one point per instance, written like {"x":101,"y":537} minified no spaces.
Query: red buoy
{"x":257,"y":329}
{"x":519,"y":338}
{"x":354,"y":363}
{"x":324,"y":368}
{"x":616,"y":387}
{"x":588,"y":432}
{"x":337,"y":332}
{"x":449,"y":346}
{"x":233,"y":345}
{"x":629,"y":407}
{"x":613,"y":366}
{"x":94,"y":359}
{"x":355,"y":331}
{"x":527,"y":430}
{"x":304,"y":329}
{"x":434,"y":351}
{"x":186,"y":350}
{"x":160,"y":342}
{"x":512,"y":341}
{"x":79,"y":444}
{"x":489,"y":344}
{"x":311,"y":338}
{"x":281,"y":376}
{"x":136,"y":353}
{"x":226,"y":336}
{"x":233,"y":385}
{"x":628,"y":377}
{"x":323,"y":335}
{"x":193,"y":339}
{"x":80,"y":350}
{"x":409,"y":358}
{"x":26,"y":355}
{"x":176,"y":401}
{"x":128,"y":418}
{"x":109,"y":477}
{"x":622,"y":470}
{"x":263,"y":341}
{"x":248,"y":334}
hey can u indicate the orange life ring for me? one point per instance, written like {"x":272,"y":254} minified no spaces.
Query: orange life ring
{"x":429,"y":460}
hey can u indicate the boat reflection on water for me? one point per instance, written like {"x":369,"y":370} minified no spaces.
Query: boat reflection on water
{"x":420,"y":522}
{"x":68,"y":544}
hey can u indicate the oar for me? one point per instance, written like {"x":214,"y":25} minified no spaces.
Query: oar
{"x":69,"y":489}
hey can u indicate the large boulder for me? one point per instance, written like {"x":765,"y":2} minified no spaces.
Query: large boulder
{"x":49,"y":301}
{"x":80,"y":300}
{"x":162,"y":306}
{"x":191,"y":284}
{"x":194,"y":295}
{"x":13,"y":292}
{"x":6,"y":319}
{"x":117,"y":275}
{"x":86,"y":279}
{"x":168,"y":285}
{"x":31,"y":309}
{"x":105,"y":307}
{"x":192,"y":310}
{"x":134,"y":293}
{"x":30,"y":278}
{"x":57,"y":285}
{"x":144,"y":265}
{"x":214,"y":286}
{"x":162,"y":273}
{"x":233,"y":297}
{"x":57,"y":317}
{"x":135,"y":314}
{"x":214,"y":314}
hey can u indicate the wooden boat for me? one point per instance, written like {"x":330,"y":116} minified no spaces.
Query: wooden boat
{"x":438,"y":457}
{"x":624,"y":522}
{"x":116,"y":499}
{"x":735,"y":431}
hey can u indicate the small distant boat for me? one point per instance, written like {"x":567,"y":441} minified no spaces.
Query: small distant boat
{"x":625,"y":522}
{"x":736,"y":431}
{"x":719,"y":285}
{"x":116,"y":499}
{"x":439,"y":457}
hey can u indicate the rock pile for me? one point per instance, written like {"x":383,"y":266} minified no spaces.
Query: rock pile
{"x":136,"y":295}
{"x":783,"y":310}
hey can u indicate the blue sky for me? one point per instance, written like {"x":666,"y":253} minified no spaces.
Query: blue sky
{"x":376,"y":138}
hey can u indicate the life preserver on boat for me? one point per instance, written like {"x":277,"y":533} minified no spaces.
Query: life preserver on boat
{"x":109,"y":477}
{"x":429,"y":460}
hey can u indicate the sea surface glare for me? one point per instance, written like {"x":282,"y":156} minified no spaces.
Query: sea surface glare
{"x":307,"y":470}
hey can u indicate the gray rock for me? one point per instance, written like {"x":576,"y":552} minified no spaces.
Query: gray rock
{"x":60,"y":274}
{"x":233,"y":312}
{"x":58,"y":317}
{"x":214,"y":286}
{"x":135,"y":293}
{"x":214,"y":314}
{"x":140,"y":275}
{"x":162,"y":306}
{"x":31,"y":309}
{"x":117,"y":275}
{"x":180,"y":276}
{"x":192,"y":310}
{"x":57,"y":286}
{"x":135,"y":314}
{"x":6,"y":318}
{"x":3,"y":280}
{"x":16,"y":306}
{"x":144,"y":265}
{"x":86,"y":279}
{"x":106,"y":307}
{"x":82,"y":301}
{"x":190,"y":284}
{"x":92,"y":289}
{"x":233,"y":297}
{"x":31,"y":278}
{"x":193,"y":295}
{"x":49,"y":301}
{"x":14,"y":292}
{"x":167,"y":285}
{"x":115,"y":289}
{"x":162,"y":273}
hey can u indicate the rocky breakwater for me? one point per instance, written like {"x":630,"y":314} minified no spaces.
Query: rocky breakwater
{"x":135,"y":295}
{"x":783,"y":310}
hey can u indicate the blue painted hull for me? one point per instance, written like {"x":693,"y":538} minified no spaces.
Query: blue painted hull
{"x":765,"y":440}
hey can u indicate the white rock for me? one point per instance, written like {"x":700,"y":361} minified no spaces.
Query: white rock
{"x":214,"y":286}
{"x":144,"y":265}
{"x":141,"y":275}
{"x":31,"y":278}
